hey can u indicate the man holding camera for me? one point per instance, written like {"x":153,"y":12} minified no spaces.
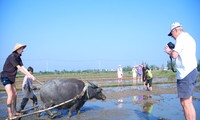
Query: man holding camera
{"x":186,"y":66}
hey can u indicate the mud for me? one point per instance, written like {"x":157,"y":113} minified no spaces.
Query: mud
{"x":123,"y":103}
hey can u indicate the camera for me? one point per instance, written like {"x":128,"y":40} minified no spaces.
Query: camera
{"x":171,"y":45}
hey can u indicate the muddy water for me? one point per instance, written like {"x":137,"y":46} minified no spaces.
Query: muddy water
{"x":124,"y":103}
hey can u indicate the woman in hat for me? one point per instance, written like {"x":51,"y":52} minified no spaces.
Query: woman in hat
{"x":12,"y":64}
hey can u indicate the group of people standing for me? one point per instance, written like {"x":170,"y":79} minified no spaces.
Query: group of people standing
{"x":141,"y":73}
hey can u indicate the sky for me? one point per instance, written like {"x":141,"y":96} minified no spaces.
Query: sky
{"x":93,"y":34}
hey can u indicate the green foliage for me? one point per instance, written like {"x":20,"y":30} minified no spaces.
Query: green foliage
{"x":198,"y":65}
{"x":170,"y":64}
{"x":127,"y":68}
{"x":153,"y":67}
{"x":163,"y":73}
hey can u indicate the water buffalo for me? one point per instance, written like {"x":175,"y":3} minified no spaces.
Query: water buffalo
{"x":54,"y":92}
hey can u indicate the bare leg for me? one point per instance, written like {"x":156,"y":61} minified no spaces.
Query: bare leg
{"x":9,"y":92}
{"x":14,"y":98}
{"x":189,"y":110}
{"x":144,"y":84}
{"x":134,"y":82}
{"x":119,"y":81}
{"x":150,"y":88}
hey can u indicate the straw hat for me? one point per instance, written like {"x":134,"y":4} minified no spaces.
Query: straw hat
{"x":18,"y":45}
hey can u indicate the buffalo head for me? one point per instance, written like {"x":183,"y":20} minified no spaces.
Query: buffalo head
{"x":95,"y":92}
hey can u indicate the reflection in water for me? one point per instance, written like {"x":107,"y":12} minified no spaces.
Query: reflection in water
{"x":137,"y":85}
{"x":120,"y":100}
{"x":120,"y":94}
{"x":148,"y":105}
{"x":137,"y":99}
{"x":145,"y":101}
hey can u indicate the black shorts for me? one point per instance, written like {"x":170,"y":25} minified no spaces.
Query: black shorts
{"x":149,"y":82}
{"x":185,"y":86}
{"x":5,"y":81}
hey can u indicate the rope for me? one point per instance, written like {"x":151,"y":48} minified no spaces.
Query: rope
{"x":75,"y":98}
{"x":25,"y":115}
{"x":39,"y":82}
{"x":172,"y":68}
{"x":29,"y":109}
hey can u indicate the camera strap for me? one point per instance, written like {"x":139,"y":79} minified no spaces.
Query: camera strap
{"x":172,"y":68}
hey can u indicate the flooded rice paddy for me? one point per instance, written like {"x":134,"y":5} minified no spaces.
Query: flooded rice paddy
{"x":123,"y":103}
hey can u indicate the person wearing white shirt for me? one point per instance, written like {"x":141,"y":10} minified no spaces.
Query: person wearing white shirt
{"x":186,"y":67}
{"x":28,"y":91}
{"x":119,"y":74}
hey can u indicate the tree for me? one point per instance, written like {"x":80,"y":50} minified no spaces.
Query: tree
{"x":127,"y":68}
{"x":170,"y":64}
{"x":198,"y":65}
{"x":154,"y":67}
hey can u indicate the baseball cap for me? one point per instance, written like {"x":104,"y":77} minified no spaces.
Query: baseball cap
{"x":174,"y":25}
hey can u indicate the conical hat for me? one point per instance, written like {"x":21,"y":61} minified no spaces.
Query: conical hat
{"x":18,"y":45}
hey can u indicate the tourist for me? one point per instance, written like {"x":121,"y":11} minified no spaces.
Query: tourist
{"x":148,"y":79}
{"x":119,"y":74}
{"x":8,"y":76}
{"x":144,"y":67}
{"x":186,"y":66}
{"x":134,"y":73}
{"x":139,"y":70}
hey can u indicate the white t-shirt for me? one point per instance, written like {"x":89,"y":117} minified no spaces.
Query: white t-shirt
{"x":119,"y":72}
{"x":186,"y":60}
